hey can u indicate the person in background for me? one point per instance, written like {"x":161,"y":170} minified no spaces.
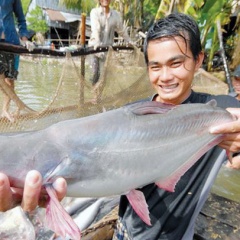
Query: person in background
{"x":105,"y":21}
{"x":173,"y":54}
{"x":235,"y":162}
{"x":9,"y":62}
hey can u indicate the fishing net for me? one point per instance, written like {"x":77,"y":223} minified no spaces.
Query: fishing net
{"x":69,"y":93}
{"x":123,"y":79}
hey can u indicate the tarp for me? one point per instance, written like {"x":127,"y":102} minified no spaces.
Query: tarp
{"x":64,"y":17}
{"x":69,"y":17}
{"x":55,"y":15}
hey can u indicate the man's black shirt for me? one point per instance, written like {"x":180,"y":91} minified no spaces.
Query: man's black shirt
{"x":170,"y":213}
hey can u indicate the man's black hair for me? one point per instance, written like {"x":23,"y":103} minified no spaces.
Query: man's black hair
{"x":175,"y":25}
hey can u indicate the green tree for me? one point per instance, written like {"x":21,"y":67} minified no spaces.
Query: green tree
{"x":207,"y":13}
{"x":25,"y":4}
{"x":83,"y":5}
{"x":141,"y":14}
{"x":36,"y":21}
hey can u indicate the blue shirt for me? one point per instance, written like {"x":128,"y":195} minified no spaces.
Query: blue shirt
{"x":9,"y":8}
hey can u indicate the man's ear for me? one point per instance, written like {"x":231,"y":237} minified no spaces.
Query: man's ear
{"x":199,"y":60}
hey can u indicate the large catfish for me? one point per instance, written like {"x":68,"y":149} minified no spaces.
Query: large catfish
{"x":113,"y":153}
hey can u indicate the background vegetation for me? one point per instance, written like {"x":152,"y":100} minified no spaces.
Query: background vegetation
{"x":140,"y":14}
{"x":25,"y":4}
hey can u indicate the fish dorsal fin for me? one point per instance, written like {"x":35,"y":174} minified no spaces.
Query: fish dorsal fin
{"x":212,"y":103}
{"x":149,"y":107}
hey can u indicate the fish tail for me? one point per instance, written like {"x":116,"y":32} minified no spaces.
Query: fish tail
{"x":58,"y":220}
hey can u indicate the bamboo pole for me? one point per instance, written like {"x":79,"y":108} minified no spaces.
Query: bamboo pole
{"x":6,"y":47}
{"x":82,"y":41}
{"x":222,"y":51}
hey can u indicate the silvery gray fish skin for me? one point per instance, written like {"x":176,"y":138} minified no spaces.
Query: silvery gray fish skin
{"x":115,"y":152}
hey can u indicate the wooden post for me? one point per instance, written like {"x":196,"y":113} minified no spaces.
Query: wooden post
{"x":82,"y":42}
{"x":83,"y":30}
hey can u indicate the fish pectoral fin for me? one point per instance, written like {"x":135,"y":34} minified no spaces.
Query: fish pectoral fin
{"x":58,"y":220}
{"x":137,"y":200}
{"x":168,"y":184}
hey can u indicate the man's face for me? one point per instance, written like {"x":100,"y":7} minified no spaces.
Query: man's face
{"x":104,"y":3}
{"x":171,"y":69}
{"x":236,"y":84}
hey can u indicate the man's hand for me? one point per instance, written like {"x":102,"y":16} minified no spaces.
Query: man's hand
{"x":231,"y":131}
{"x":29,"y":45}
{"x":31,"y":196}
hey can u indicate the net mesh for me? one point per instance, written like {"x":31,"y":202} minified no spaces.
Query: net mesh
{"x":123,"y":79}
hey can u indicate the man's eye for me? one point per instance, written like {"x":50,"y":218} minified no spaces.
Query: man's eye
{"x":176,"y":64}
{"x":155,"y":68}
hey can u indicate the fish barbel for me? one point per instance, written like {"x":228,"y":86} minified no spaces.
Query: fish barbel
{"x":113,"y":153}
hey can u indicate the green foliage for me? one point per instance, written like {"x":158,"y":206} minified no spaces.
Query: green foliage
{"x":83,"y":5}
{"x":36,"y":21}
{"x":143,"y":12}
{"x":150,"y":9}
{"x":206,"y":13}
{"x":163,"y":9}
{"x":72,"y":4}
{"x":25,"y":4}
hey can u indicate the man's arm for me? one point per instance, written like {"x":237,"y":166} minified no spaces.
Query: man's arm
{"x":95,"y":29}
{"x":18,"y":11}
{"x":22,"y":26}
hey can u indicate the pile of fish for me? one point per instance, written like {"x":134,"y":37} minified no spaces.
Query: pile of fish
{"x":113,"y":153}
{"x":16,"y":224}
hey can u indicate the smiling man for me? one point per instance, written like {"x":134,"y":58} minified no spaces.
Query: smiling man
{"x":171,"y":72}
